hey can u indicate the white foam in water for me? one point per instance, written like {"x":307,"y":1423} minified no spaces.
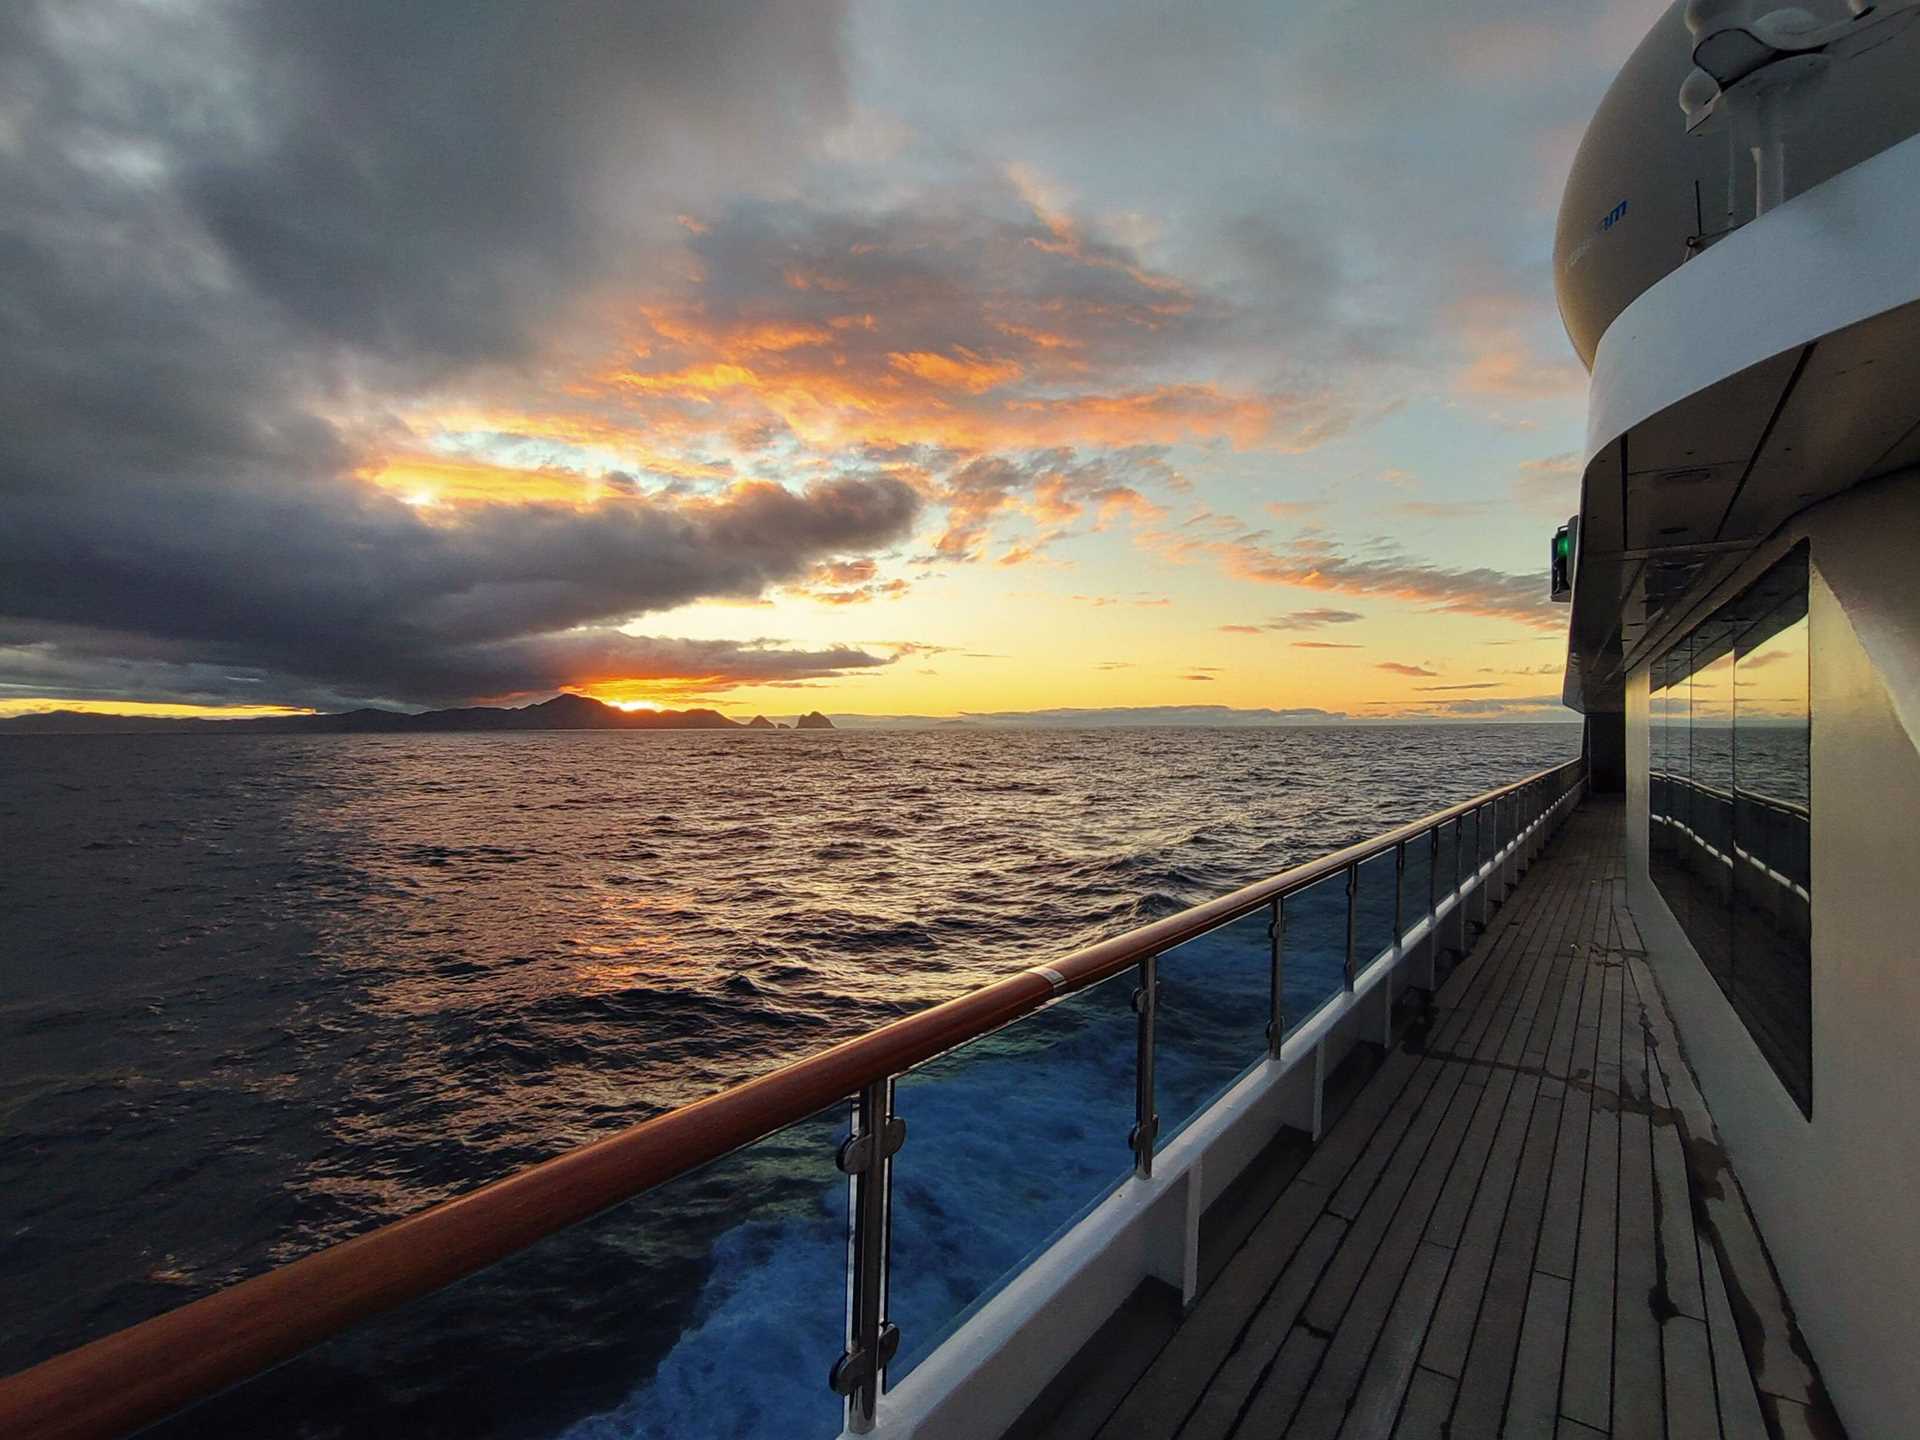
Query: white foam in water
{"x":1008,"y":1142}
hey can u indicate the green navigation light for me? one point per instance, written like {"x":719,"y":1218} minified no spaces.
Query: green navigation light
{"x":1563,"y":545}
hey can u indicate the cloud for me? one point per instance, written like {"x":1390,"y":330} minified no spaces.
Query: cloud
{"x":1440,"y":509}
{"x":1398,"y":668}
{"x":962,"y":320}
{"x":1531,"y":707}
{"x":429,"y":182}
{"x":1315,"y":619}
{"x":1100,"y":601}
{"x":354,"y":594}
{"x":1153,"y":715}
{"x":1549,"y":486}
{"x":1315,"y":561}
{"x":1294,"y":509}
{"x":1324,"y":645}
{"x":232,"y":234}
{"x":1506,"y":366}
{"x":1481,"y":685}
{"x":358,"y":350}
{"x":602,"y":660}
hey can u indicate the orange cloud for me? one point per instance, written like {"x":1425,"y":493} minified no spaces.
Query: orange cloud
{"x":429,"y":480}
{"x":962,"y":371}
{"x":1315,"y":562}
{"x":1550,"y":485}
{"x":1503,"y":363}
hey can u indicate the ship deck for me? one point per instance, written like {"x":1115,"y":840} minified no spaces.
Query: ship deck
{"x":1522,"y":1224}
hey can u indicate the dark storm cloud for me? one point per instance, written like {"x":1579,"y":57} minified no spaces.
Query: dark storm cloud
{"x":222,"y":227}
{"x":364,"y":595}
{"x":438,"y":175}
{"x":89,"y":666}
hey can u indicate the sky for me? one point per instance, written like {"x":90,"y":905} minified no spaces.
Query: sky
{"x":874,"y":357}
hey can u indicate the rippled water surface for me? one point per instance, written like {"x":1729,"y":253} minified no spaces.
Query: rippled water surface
{"x":261,"y":993}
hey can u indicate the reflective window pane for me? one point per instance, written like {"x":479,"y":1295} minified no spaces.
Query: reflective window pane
{"x":631,"y":1323}
{"x":1772,"y":903}
{"x":1211,"y":1025}
{"x":1373,"y":909}
{"x":1709,"y":852}
{"x":1729,"y":827}
{"x":1414,"y":890}
{"x":1316,"y":947}
{"x":1446,"y":875}
{"x":1010,"y":1139}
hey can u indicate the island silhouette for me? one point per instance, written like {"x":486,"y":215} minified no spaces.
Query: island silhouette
{"x":563,"y":712}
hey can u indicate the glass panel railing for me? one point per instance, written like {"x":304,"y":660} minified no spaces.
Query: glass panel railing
{"x":1315,"y":959}
{"x":1469,"y":847}
{"x":1448,"y":875}
{"x":1010,"y":1140}
{"x":1210,"y":1027}
{"x":637,"y":1322}
{"x":1414,"y":891}
{"x":1373,"y":908}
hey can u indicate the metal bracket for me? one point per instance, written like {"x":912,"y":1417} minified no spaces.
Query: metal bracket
{"x":856,"y":1151}
{"x":1142,"y":1134}
{"x":856,"y":1367}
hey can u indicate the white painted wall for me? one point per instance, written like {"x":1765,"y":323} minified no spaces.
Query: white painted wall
{"x":1837,"y":1196}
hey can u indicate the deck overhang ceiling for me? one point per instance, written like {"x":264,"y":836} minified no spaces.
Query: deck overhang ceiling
{"x":1772,"y":371}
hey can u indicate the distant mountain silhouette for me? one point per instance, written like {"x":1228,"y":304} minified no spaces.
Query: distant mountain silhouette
{"x":563,"y":712}
{"x":813,"y":720}
{"x":760,"y":722}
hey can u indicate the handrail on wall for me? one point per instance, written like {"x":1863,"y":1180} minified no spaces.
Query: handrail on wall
{"x":149,"y":1371}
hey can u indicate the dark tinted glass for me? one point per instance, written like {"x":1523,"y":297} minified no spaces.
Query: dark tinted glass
{"x":1772,"y":910}
{"x":1728,"y":808}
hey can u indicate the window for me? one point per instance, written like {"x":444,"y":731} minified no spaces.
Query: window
{"x":1728,"y":802}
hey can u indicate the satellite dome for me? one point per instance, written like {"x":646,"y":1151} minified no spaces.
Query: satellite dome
{"x":1644,"y":194}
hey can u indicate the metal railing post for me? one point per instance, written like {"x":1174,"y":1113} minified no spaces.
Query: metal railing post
{"x":1433,"y":871}
{"x":1353,"y":898}
{"x":1399,"y":889}
{"x":1146,"y":1121}
{"x":1459,"y":824}
{"x":866,"y":1157}
{"x":1277,"y":934}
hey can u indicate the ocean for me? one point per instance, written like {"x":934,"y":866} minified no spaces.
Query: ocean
{"x":262,"y":993}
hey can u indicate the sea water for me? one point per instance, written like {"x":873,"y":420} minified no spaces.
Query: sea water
{"x":259,"y":994}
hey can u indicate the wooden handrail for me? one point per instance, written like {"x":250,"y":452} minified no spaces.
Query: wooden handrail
{"x":151,"y":1370}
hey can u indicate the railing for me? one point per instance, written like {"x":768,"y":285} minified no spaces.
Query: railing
{"x":1771,"y":834}
{"x":1221,"y":1013}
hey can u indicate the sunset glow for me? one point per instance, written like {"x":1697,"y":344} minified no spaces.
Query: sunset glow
{"x":146,"y":709}
{"x":900,"y":400}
